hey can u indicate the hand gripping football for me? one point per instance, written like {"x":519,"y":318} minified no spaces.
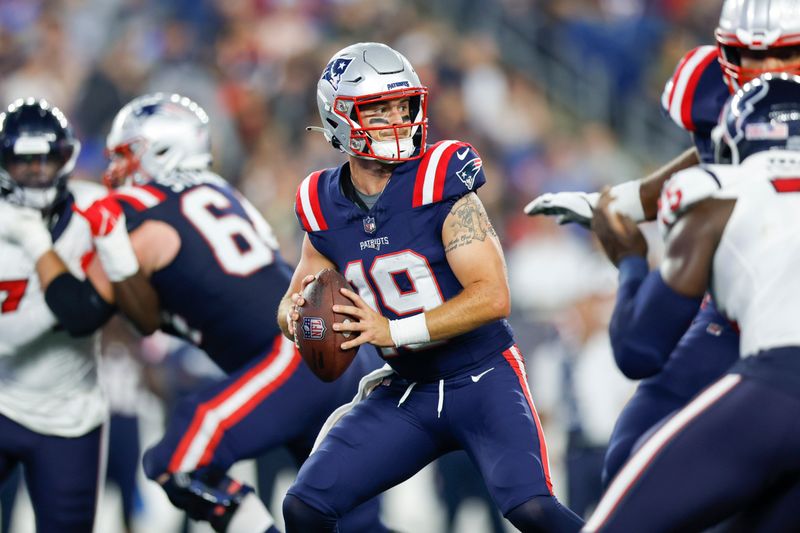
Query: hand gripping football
{"x":319,"y":345}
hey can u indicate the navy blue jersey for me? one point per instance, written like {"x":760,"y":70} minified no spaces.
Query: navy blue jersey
{"x":223,"y":288}
{"x":694,"y":96}
{"x":393,"y":253}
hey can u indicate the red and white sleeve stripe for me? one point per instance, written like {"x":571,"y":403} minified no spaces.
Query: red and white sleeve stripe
{"x":432,"y":171}
{"x":308,"y":205}
{"x":678,"y":94}
{"x":140,"y":197}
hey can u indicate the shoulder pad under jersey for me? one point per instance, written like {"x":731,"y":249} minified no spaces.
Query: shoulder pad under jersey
{"x":449,"y":169}
{"x":683,"y":190}
{"x":780,"y":168}
{"x":84,"y":193}
{"x":138,"y":197}
{"x":135,"y":200}
{"x":694,"y":95}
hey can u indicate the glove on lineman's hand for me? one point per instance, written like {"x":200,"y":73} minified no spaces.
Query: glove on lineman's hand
{"x":26,"y":228}
{"x":103,"y":216}
{"x":565,"y":206}
{"x":107,"y":223}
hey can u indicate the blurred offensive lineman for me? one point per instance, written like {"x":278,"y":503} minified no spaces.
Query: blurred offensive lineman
{"x":51,"y":408}
{"x":735,"y":444}
{"x":202,"y":263}
{"x":753,"y":37}
{"x":402,"y":222}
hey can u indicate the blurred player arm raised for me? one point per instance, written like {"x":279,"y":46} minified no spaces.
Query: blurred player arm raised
{"x":80,"y":305}
{"x":636,"y":199}
{"x":654,"y":309}
{"x":128,"y":260}
{"x":155,"y":245}
{"x":311,"y":262}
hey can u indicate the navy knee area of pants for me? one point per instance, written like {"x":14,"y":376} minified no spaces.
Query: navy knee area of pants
{"x":302,"y":518}
{"x":544,"y":514}
{"x":152,"y":465}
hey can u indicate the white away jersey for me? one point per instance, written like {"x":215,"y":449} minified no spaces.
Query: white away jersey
{"x":48,"y":380}
{"x":755,"y":278}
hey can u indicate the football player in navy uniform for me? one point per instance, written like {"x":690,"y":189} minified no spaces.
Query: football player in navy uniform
{"x":403,"y":223}
{"x":730,"y":229}
{"x":753,"y":36}
{"x":188,"y":254}
{"x":52,"y":410}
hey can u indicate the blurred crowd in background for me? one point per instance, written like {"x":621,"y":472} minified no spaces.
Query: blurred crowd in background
{"x":503,"y":76}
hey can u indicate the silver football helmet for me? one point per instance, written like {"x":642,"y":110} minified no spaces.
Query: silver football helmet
{"x":360,"y":89}
{"x":155,"y":134}
{"x":763,"y":28}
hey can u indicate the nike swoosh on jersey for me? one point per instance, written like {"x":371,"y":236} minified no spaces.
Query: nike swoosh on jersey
{"x":477,"y":378}
{"x":462,"y":154}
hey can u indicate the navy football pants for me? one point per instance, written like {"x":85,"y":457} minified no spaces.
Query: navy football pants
{"x":274,"y":401}
{"x":123,"y":460}
{"x":62,"y":474}
{"x":708,"y":349}
{"x":399,"y":428}
{"x":725,"y":451}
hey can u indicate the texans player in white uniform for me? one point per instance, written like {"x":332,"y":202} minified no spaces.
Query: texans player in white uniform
{"x":753,"y":37}
{"x":730,"y":229}
{"x":402,"y":221}
{"x":52,"y":410}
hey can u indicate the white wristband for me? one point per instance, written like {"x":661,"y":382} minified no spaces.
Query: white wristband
{"x":411,"y":330}
{"x":116,"y":253}
{"x":627,"y":200}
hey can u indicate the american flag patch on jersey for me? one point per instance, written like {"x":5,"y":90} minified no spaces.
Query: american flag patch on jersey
{"x":313,"y":328}
{"x":766,"y":131}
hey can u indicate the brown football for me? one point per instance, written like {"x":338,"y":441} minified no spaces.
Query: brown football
{"x":320,"y":346}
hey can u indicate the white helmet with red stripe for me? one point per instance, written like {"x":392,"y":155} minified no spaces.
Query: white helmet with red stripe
{"x":364,"y":76}
{"x":155,"y":134}
{"x":759,"y":28}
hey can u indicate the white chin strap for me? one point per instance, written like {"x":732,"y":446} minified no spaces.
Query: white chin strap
{"x":388,"y":149}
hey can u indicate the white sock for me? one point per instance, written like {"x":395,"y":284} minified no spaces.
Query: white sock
{"x":251,"y":516}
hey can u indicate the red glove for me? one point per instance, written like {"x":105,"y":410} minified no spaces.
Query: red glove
{"x":107,"y":224}
{"x":103,"y":215}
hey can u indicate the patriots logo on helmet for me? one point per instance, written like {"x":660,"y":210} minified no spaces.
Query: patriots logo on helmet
{"x":469,"y":171}
{"x":313,"y":328}
{"x":334,"y":70}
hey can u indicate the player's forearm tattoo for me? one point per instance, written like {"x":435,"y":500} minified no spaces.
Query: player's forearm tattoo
{"x":469,"y":222}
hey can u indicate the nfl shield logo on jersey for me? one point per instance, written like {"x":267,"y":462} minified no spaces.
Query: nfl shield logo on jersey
{"x":369,"y":224}
{"x":313,"y":328}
